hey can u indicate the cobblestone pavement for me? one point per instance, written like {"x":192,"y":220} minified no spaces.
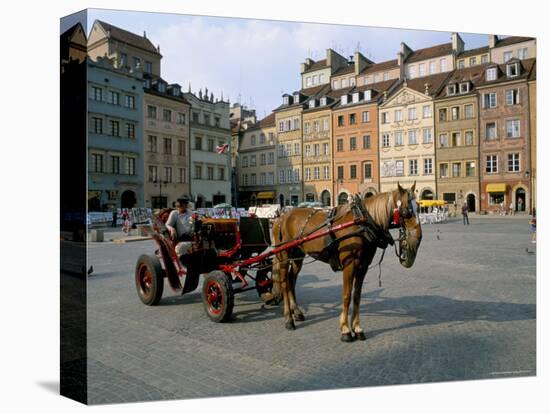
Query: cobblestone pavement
{"x":465,"y":310}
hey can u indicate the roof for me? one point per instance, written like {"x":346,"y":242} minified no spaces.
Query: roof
{"x":128,"y":37}
{"x":307,"y":92}
{"x":527,"y":67}
{"x":510,"y":40}
{"x":378,"y":86}
{"x":474,"y":52}
{"x":430,"y":52}
{"x":434,"y":82}
{"x":533,"y":74}
{"x":344,"y":70}
{"x":472,"y":74}
{"x":320,"y":64}
{"x":268,"y":121}
{"x":389,"y":64}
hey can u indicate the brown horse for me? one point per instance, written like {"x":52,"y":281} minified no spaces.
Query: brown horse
{"x":351,"y":250}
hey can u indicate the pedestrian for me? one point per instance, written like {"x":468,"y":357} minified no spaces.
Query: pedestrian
{"x":502,"y":211}
{"x":511,"y":210}
{"x":533,"y":225}
{"x":520,"y":204}
{"x":113,"y":224}
{"x":465,"y":214}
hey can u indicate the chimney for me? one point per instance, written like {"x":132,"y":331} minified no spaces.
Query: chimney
{"x":306,"y":65}
{"x":360,"y":63}
{"x":493,"y":39}
{"x":457,"y":42}
{"x":145,"y":34}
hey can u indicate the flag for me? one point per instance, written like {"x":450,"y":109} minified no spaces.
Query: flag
{"x":220,"y":149}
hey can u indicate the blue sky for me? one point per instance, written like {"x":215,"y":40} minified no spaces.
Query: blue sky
{"x":255,"y":61}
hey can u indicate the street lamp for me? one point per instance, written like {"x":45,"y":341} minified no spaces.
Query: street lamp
{"x":160,"y":183}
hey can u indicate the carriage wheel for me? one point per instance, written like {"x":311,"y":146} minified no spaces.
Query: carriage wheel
{"x":149,"y":279}
{"x":217,"y":296}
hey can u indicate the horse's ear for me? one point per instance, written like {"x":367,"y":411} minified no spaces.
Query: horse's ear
{"x":399,"y":188}
{"x":413,"y":187}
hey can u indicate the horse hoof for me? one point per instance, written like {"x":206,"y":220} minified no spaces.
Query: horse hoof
{"x":347,"y":337}
{"x":360,"y":336}
{"x":299,"y":317}
{"x":290,"y":325}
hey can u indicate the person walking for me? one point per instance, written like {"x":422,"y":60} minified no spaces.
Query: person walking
{"x":533,"y":225}
{"x":113,"y":224}
{"x":465,"y":214}
{"x":511,"y":210}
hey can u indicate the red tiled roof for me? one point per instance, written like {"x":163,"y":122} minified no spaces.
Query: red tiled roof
{"x":512,"y":40}
{"x":434,"y":83}
{"x":430,"y":52}
{"x":473,"y":52}
{"x":389,"y":64}
{"x":344,"y":70}
{"x":527,"y":66}
{"x":474,"y":74}
{"x":128,"y":37}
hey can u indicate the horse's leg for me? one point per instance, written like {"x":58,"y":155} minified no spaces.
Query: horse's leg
{"x":346,"y":298}
{"x":283,"y":283}
{"x":357,"y":285}
{"x":295,"y":268}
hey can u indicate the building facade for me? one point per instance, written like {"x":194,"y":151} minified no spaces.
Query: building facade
{"x":505,"y":136}
{"x":406,"y":135}
{"x":210,"y":150}
{"x":115,"y":136}
{"x":166,"y":138}
{"x":518,"y":47}
{"x":457,"y":139}
{"x":258,"y":167}
{"x":240,"y":118}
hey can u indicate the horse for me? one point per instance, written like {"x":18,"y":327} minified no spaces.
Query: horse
{"x":351,"y":249}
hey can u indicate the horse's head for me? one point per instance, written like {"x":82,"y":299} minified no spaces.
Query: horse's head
{"x":410,"y":232}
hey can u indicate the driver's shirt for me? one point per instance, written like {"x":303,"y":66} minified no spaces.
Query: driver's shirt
{"x":182,"y":222}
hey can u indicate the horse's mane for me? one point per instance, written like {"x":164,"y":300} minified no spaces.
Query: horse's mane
{"x":380,"y":206}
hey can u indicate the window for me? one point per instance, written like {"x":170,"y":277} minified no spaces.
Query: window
{"x":455,"y":138}
{"x":315,"y":126}
{"x":307,"y":128}
{"x":340,"y":145}
{"x":412,"y":72}
{"x":432,"y":67}
{"x":491,"y":130}
{"x":262,"y":178}
{"x":385,"y":117}
{"x":308,"y":151}
{"x":263,"y":159}
{"x":244,"y":161}
{"x":366,"y":141}
{"x":513,"y":128}
{"x":464,"y":87}
{"x":473,"y":61}
{"x":512,"y":70}
{"x":198,"y":143}
{"x":413,"y":167}
{"x":522,"y":53}
{"x":152,"y":143}
{"x":443,"y":170}
{"x":469,"y":111}
{"x":296,"y":175}
{"x":285,"y":100}
{"x":312,"y":103}
{"x":456,"y":169}
{"x":207,"y":119}
{"x":352,"y":143}
{"x":296,"y":123}
{"x":182,"y":175}
{"x":168,"y":174}
{"x":490,"y":100}
{"x":512,"y":97}
{"x":443,"y":140}
{"x":325,"y":124}
{"x":398,"y":115}
{"x":167,"y":145}
{"x":461,"y":64}
{"x":252,"y":178}
{"x":167,"y":115}
{"x":210,"y":145}
{"x":270,"y":158}
{"x":271,"y":178}
{"x":152,"y":173}
{"x":97,"y":163}
{"x":262,"y":138}
{"x":253,"y":140}
{"x":399,"y":167}
{"x":353,"y":171}
{"x":115,"y":128}
{"x":252,"y":160}
{"x":340,"y":172}
{"x":136,"y":62}
{"x":470,"y":169}
{"x":130,"y":101}
{"x":181,"y":118}
{"x":288,"y":150}
{"x":326,"y":173}
{"x":308,"y":81}
{"x":443,"y":114}
{"x":130,"y":131}
{"x":97,"y":125}
{"x":113,"y":98}
{"x":365,"y":116}
{"x":130,"y":166}
{"x":484,"y":59}
{"x":323,"y":101}
{"x":491,"y":165}
{"x":513,"y":162}
{"x":469,"y":138}
{"x":308,"y":174}
{"x":344,"y":99}
{"x":195,"y":117}
{"x":385,"y":140}
{"x":316,"y":150}
{"x":151,"y":112}
{"x":344,"y":83}
{"x":451,"y":89}
{"x":426,"y":111}
{"x":443,"y":65}
{"x":412,"y":113}
{"x":428,"y":166}
{"x":97,"y":94}
{"x":217,"y":121}
{"x":281,"y":176}
{"x":491,"y":74}
{"x":335,"y":84}
{"x":496,"y":198}
{"x":427,"y":136}
{"x":325,"y":149}
{"x":355,"y":97}
{"x":351,"y":81}
{"x":367,"y":171}
{"x":507,"y":56}
{"x":123,"y":59}
{"x":398,"y":138}
{"x":386,"y":76}
{"x":210,"y":174}
{"x":296,"y":148}
{"x":316,"y":173}
{"x":245,"y":179}
{"x":412,"y":137}
{"x":198,"y":172}
{"x":422,"y":69}
{"x":162,"y":87}
{"x":321,"y":78}
{"x":148,"y":67}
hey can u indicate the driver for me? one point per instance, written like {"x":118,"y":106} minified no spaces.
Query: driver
{"x":180,"y":224}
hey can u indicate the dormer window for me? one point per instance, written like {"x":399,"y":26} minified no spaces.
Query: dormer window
{"x":296,"y":97}
{"x":147,"y":83}
{"x":355,"y":97}
{"x":312,"y":103}
{"x":323,"y":101}
{"x":162,"y":87}
{"x":512,"y":70}
{"x":451,"y":89}
{"x":367,"y":95}
{"x":286,"y":100}
{"x":175,"y":91}
{"x":344,"y":100}
{"x":464,"y":87}
{"x":491,"y":74}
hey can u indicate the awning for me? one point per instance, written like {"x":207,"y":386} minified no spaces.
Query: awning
{"x":94,"y":193}
{"x":430,"y":203}
{"x":265,"y":195}
{"x":496,"y":188}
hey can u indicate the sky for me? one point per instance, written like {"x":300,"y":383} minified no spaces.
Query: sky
{"x":255,"y":61}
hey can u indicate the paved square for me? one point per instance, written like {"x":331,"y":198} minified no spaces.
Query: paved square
{"x":465,"y":310}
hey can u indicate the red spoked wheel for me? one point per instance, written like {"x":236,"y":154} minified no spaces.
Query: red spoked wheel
{"x":217,"y":296}
{"x":149,"y":279}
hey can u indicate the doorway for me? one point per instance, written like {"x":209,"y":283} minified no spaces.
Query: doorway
{"x":325,"y":198}
{"x":520,"y":200}
{"x":471,"y":201}
{"x":128,"y":199}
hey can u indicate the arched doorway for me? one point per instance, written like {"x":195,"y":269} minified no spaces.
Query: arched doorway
{"x":325,"y":198}
{"x":427,"y":194}
{"x":471,"y":201}
{"x":520,"y":199}
{"x":343,"y":198}
{"x":128,"y":199}
{"x":281,"y":200}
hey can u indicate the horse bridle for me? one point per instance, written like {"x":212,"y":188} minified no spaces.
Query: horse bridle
{"x":405,"y":214}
